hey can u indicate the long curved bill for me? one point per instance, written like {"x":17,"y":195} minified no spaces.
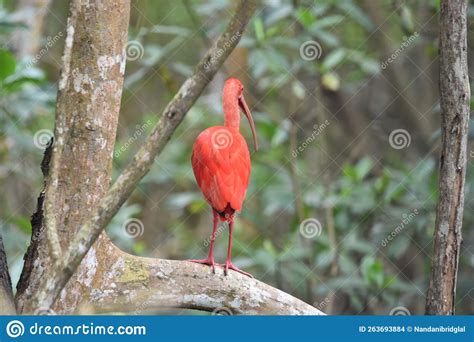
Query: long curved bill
{"x":246,"y":110}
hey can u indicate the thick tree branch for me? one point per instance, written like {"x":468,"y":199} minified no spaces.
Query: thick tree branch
{"x":454,"y":97}
{"x":62,"y":115}
{"x":143,"y":160}
{"x":87,"y":112}
{"x":127,"y":283}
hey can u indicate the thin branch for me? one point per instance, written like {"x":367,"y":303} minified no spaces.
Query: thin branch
{"x":170,"y":119}
{"x":454,"y":99}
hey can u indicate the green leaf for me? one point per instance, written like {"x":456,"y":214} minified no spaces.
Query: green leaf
{"x":281,"y":134}
{"x":363,"y":167}
{"x":8,"y":26}
{"x":23,"y":223}
{"x":334,"y":58}
{"x":139,"y":247}
{"x":270,"y":248}
{"x":305,"y":17}
{"x":349,"y":171}
{"x":356,"y":13}
{"x":259,"y":30}
{"x":7,"y":64}
{"x":372,"y":270}
{"x":408,"y":24}
{"x":281,"y":13}
{"x":328,"y":21}
{"x":298,"y":90}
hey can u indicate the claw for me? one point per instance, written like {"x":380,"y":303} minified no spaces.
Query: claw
{"x":229,"y":266}
{"x":207,"y":261}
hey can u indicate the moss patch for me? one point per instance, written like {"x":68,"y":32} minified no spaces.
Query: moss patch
{"x":134,"y":272}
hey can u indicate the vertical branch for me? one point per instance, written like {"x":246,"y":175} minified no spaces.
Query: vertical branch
{"x":87,"y":112}
{"x":454,"y":98}
{"x":60,"y":132}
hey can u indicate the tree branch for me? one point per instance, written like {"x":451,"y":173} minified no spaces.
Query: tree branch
{"x":454,"y":98}
{"x":127,"y":283}
{"x":51,"y":179}
{"x":87,"y":112}
{"x":171,"y":117}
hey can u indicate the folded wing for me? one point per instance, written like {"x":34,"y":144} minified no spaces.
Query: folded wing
{"x":221,"y":167}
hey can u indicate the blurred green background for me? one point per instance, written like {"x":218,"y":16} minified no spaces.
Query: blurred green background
{"x":339,"y":211}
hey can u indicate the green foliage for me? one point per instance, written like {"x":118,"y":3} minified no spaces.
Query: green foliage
{"x":7,"y":64}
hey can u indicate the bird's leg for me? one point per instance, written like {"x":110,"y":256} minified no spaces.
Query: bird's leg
{"x":210,"y":258}
{"x":228,"y":263}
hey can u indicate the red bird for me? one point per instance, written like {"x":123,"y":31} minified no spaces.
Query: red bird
{"x":221,"y":165}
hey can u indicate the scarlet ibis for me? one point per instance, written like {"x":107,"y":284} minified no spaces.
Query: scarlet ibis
{"x":221,"y":165}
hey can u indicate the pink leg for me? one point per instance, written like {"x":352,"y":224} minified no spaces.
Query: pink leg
{"x":210,"y":258}
{"x":228,"y":262}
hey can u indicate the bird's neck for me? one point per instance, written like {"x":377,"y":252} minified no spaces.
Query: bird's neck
{"x":231,"y":112}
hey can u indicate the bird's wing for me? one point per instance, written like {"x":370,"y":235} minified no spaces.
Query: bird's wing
{"x":222,"y":173}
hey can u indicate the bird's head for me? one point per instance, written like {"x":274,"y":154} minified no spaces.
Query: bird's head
{"x":234,"y":90}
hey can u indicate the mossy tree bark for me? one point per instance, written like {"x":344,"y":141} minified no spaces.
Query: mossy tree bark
{"x":79,"y":172}
{"x":454,"y":98}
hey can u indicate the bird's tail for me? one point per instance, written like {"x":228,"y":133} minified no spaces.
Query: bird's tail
{"x":227,"y":214}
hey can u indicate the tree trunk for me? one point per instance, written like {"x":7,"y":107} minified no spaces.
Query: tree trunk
{"x":454,"y":98}
{"x":87,"y":113}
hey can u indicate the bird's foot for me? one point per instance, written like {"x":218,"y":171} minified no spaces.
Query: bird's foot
{"x":230,"y":266}
{"x":207,"y":261}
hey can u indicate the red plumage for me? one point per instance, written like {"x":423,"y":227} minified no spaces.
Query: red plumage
{"x":222,"y":171}
{"x":221,"y":165}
